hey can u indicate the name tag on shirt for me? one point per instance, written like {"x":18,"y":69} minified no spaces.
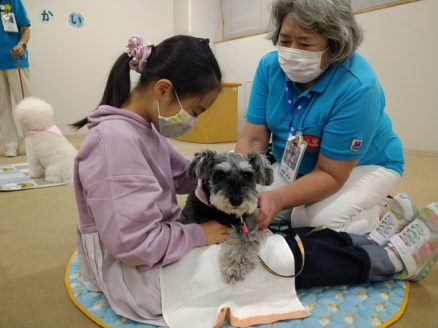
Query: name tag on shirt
{"x":9,"y":22}
{"x":292,"y":156}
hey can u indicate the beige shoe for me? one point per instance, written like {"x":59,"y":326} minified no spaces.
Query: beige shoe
{"x":11,"y":151}
{"x":400,"y":211}
{"x":417,"y":244}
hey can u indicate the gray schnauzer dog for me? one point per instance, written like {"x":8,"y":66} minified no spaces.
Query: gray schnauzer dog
{"x":227,"y":193}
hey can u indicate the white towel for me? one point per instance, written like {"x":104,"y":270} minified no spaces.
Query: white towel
{"x":195,"y":295}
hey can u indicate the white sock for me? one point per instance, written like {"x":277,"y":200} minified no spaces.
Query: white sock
{"x":394,"y":258}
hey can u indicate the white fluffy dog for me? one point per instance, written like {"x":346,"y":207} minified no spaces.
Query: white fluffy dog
{"x":49,"y":154}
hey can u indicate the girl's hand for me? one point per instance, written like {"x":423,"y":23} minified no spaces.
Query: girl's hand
{"x":268,"y":208}
{"x":215,"y":232}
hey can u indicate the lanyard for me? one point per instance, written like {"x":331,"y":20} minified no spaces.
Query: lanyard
{"x":304,"y":102}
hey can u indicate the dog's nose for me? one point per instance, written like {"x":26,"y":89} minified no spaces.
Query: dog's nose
{"x":236,"y":200}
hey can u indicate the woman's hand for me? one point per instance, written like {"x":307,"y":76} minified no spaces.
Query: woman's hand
{"x":215,"y":232}
{"x":269,"y":206}
{"x":18,"y":50}
{"x":327,"y":177}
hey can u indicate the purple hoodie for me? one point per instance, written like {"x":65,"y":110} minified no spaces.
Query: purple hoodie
{"x":126,"y":179}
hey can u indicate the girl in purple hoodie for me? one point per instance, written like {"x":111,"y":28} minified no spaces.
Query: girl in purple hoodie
{"x":127,"y":174}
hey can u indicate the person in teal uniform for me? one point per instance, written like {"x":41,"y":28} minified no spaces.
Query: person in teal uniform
{"x":320,"y":102}
{"x":14,"y":68}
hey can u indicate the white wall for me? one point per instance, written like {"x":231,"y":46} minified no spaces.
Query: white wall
{"x":181,"y":17}
{"x":69,"y":66}
{"x":200,"y":18}
{"x":238,"y":60}
{"x":399,"y":43}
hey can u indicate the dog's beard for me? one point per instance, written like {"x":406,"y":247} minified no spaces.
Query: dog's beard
{"x":221,"y":202}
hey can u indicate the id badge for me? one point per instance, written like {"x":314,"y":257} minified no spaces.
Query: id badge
{"x":9,"y":22}
{"x":293,"y":153}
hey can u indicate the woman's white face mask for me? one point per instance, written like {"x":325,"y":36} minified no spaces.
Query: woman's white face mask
{"x":176,"y":125}
{"x":300,"y":66}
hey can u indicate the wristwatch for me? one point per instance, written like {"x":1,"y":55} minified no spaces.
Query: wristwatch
{"x":21,"y":43}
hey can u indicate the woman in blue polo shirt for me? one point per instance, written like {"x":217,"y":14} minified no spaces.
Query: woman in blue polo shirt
{"x":14,"y":37}
{"x":320,"y":104}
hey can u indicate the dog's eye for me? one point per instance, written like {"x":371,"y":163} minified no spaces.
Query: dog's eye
{"x":247,"y":175}
{"x":219,"y":175}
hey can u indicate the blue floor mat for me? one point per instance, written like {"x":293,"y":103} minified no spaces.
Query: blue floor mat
{"x":360,"y":306}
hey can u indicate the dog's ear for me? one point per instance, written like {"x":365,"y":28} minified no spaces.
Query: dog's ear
{"x":202,"y":164}
{"x":262,"y":167}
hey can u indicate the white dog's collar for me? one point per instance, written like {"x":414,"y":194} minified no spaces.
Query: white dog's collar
{"x":52,"y":128}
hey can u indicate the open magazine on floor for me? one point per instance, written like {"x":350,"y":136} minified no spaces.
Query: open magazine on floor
{"x":16,"y":177}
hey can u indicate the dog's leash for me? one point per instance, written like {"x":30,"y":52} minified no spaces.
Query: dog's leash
{"x":297,"y":238}
{"x":245,"y":229}
{"x":301,"y":248}
{"x":18,"y":64}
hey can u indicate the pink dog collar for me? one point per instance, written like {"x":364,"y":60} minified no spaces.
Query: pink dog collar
{"x":200,"y":193}
{"x":52,"y":128}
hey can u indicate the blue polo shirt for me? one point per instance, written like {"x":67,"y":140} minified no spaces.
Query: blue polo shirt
{"x":342,"y":115}
{"x":9,"y":39}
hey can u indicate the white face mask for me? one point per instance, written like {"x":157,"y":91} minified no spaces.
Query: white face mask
{"x":300,"y":66}
{"x":176,"y":125}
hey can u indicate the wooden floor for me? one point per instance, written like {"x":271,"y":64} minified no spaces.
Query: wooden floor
{"x":37,"y":237}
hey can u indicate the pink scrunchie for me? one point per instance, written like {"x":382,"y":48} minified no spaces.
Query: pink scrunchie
{"x":139,"y":52}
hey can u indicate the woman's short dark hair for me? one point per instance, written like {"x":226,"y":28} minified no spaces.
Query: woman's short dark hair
{"x":188,"y":62}
{"x":333,"y":19}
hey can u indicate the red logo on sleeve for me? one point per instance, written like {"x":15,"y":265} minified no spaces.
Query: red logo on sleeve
{"x":356,"y":144}
{"x":313,"y":142}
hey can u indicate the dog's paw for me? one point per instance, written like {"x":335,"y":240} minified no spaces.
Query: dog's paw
{"x":53,"y":178}
{"x":235,"y":271}
{"x":233,"y":275}
{"x":36,"y":172}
